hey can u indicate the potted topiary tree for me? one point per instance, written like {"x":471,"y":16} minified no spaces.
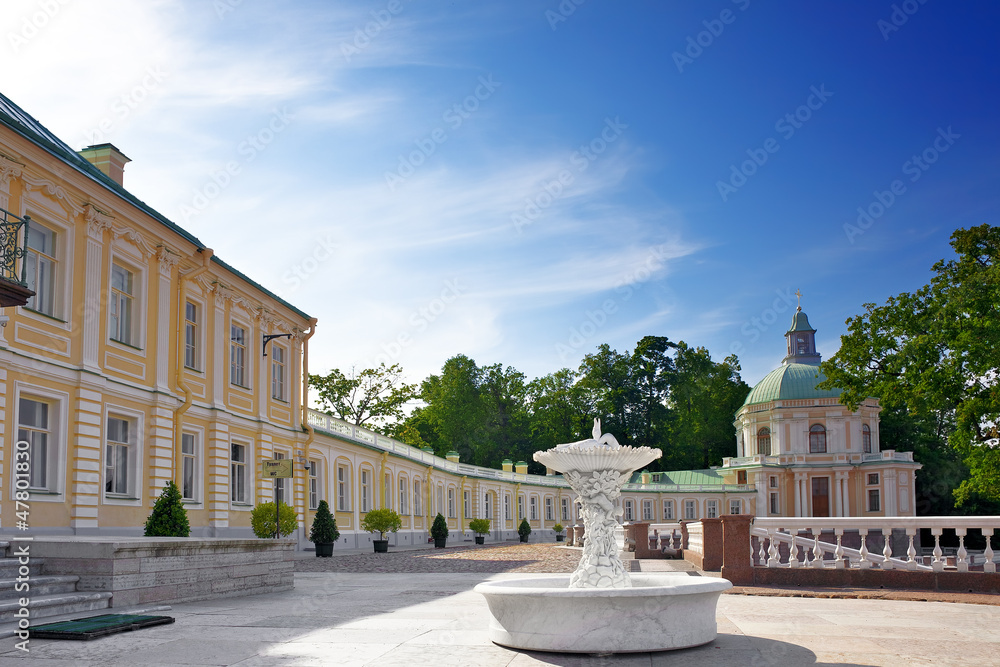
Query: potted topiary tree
{"x":559,"y":529}
{"x":262,"y":520}
{"x":381,"y":521}
{"x":439,"y":531}
{"x":169,"y":518}
{"x":324,"y":530}
{"x":524,"y":530}
{"x":481,"y":527}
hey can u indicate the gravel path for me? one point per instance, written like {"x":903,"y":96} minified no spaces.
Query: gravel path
{"x":488,"y":559}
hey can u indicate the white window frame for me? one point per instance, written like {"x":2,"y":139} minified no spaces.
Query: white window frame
{"x":487,"y":506}
{"x":520,"y":507}
{"x":314,"y":478}
{"x":668,"y":510}
{"x":775,"y":503}
{"x":711,"y":509}
{"x":240,"y":475}
{"x":364,"y":484}
{"x":647,"y":510}
{"x":738,"y":504}
{"x":192,"y":334}
{"x":418,"y":504}
{"x":564,"y":509}
{"x":58,"y":418}
{"x":279,"y":372}
{"x":876,"y":493}
{"x":404,"y":496}
{"x":439,"y":496}
{"x":451,"y":501}
{"x":533,"y":508}
{"x":506,"y":507}
{"x":690,"y":510}
{"x":281,"y":483}
{"x":387,"y":490}
{"x":35,"y":259}
{"x":134,"y":487}
{"x":466,"y":504}
{"x":237,"y":350}
{"x":134,"y":327}
{"x":628,"y":507}
{"x":343,"y":486}
{"x":549,"y":509}
{"x":194,"y":458}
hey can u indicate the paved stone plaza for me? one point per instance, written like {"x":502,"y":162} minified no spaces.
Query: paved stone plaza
{"x":420,"y":617}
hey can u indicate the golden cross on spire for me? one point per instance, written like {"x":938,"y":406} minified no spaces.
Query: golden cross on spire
{"x":798,"y":294}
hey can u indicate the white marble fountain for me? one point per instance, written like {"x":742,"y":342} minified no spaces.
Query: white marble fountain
{"x":600,"y":608}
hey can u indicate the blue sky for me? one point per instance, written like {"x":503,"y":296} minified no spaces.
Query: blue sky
{"x":521,"y":182}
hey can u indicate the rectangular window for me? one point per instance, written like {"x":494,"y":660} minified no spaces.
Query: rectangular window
{"x":690,"y":511}
{"x":629,"y":508}
{"x":712,"y":509}
{"x":280,"y":483}
{"x":451,"y":501}
{"x":520,"y":507}
{"x":191,"y":335}
{"x":237,"y":356}
{"x":874,"y":501}
{"x":365,"y":490}
{"x":775,"y":504}
{"x":735,"y":507}
{"x":873,"y":478}
{"x":418,"y":499}
{"x":565,"y":509}
{"x":122,"y":305}
{"x":34,"y":427}
{"x":774,"y":482}
{"x":487,"y":508}
{"x":188,"y":465}
{"x":668,"y":510}
{"x":314,"y":497}
{"x":506,"y":507}
{"x":118,"y":456}
{"x":548,"y":510}
{"x":533,"y":506}
{"x":647,"y":510}
{"x":40,"y":268}
{"x":342,"y":495}
{"x":278,"y":373}
{"x":387,"y":491}
{"x":466,"y":505}
{"x":741,"y":476}
{"x":403,"y":495}
{"x":238,"y":473}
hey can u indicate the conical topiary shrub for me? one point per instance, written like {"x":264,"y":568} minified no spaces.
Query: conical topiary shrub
{"x":524,"y":530}
{"x":169,"y":518}
{"x":439,"y":531}
{"x":324,"y":530}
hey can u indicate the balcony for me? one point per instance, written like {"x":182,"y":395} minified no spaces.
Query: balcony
{"x":14,"y":289}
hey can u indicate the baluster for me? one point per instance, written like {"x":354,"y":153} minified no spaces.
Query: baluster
{"x":762,"y":554}
{"x":989,"y":565}
{"x":963,"y":555}
{"x":887,"y":549}
{"x":864,"y":564}
{"x":938,"y":563}
{"x":817,"y":560}
{"x":911,"y":552}
{"x":773,"y":560}
{"x":793,"y":548}
{"x":839,"y":552}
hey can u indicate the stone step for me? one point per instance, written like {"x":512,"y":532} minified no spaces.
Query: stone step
{"x":51,"y":605}
{"x":11,"y":567}
{"x":38,"y":586}
{"x":3,"y":548}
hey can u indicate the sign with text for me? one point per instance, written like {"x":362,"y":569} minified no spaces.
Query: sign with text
{"x":275,"y":468}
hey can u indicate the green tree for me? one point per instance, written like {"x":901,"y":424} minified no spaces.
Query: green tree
{"x":168,"y":518}
{"x":504,"y":400}
{"x":559,"y":410}
{"x":653,"y":372}
{"x":374,"y":397}
{"x":606,"y":376}
{"x":455,"y":416}
{"x":262,"y":520}
{"x":324,"y":526}
{"x":936,"y":351}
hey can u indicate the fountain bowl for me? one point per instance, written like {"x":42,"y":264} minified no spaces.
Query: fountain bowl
{"x":659,"y":612}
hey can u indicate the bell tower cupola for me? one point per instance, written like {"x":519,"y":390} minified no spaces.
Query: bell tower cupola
{"x":801,"y":339}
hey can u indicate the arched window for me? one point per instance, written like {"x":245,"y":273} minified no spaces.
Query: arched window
{"x":817,"y":439}
{"x":866,"y":439}
{"x":764,"y":442}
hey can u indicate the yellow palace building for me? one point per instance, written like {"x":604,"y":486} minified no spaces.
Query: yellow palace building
{"x":139,"y":357}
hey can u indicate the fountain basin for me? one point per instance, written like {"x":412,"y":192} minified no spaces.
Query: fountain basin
{"x":659,"y":612}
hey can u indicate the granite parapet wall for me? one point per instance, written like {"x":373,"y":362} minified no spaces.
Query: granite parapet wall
{"x":169,"y":570}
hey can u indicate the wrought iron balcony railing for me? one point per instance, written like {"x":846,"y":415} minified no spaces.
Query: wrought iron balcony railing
{"x":14,"y":289}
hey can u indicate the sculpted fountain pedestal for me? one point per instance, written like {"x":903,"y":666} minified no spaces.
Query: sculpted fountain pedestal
{"x":600,"y":608}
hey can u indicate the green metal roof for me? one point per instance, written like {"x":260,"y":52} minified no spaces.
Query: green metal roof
{"x":800,"y":322}
{"x":790,"y":381}
{"x":18,"y":120}
{"x":701,"y":477}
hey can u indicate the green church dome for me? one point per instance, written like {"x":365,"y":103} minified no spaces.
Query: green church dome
{"x":790,"y":381}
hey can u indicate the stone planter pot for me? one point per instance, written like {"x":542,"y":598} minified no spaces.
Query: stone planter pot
{"x":440,"y":542}
{"x":381,"y":546}
{"x":324,"y":549}
{"x":560,"y":538}
{"x":480,"y":539}
{"x":524,"y":538}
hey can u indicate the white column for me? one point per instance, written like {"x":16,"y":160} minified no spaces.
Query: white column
{"x":798,"y":495}
{"x":167,"y":262}
{"x":220,"y":353}
{"x":90,"y":311}
{"x":845,"y":494}
{"x":891,"y":496}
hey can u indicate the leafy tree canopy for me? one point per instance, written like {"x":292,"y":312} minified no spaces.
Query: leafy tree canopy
{"x":374,"y":397}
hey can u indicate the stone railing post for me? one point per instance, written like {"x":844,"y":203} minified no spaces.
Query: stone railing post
{"x":640,"y":533}
{"x":684,"y":535}
{"x":713,"y":544}
{"x":737,"y":566}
